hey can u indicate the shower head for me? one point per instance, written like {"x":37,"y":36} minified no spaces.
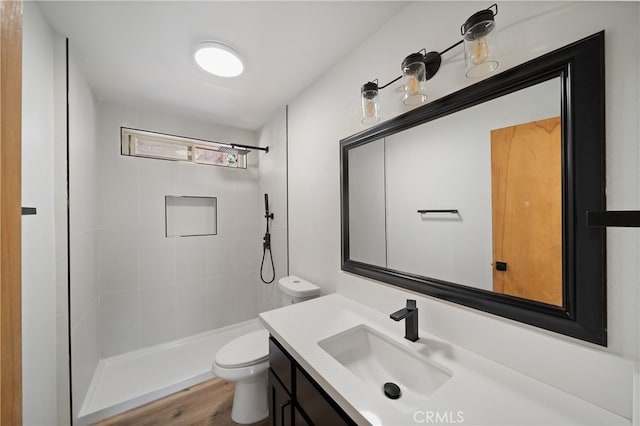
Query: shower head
{"x":233,"y":150}
{"x":266,"y":208}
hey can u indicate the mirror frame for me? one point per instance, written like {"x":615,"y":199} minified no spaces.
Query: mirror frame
{"x":580,"y":67}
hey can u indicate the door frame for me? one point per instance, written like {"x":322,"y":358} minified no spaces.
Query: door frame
{"x":10,"y":212}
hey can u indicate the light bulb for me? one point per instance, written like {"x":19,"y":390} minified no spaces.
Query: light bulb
{"x":479,"y":51}
{"x":413,"y":85}
{"x":370,"y":107}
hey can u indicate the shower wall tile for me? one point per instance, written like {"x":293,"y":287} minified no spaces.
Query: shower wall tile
{"x":84,"y":285}
{"x":155,"y":181}
{"x":85,"y":346}
{"x":246,"y":297}
{"x":118,"y":260}
{"x":191,"y":256}
{"x":219,"y":255}
{"x":224,"y":200}
{"x":268,"y":294}
{"x":62,"y":374}
{"x":82,"y":195}
{"x":191,"y":308}
{"x":119,"y":321}
{"x":221,"y":293}
{"x":272,"y":179}
{"x":157,"y":315}
{"x":117,"y":188}
{"x":157,"y":256}
{"x":194,"y":179}
{"x":247,"y":246}
{"x":155,"y":289}
{"x":245,"y":200}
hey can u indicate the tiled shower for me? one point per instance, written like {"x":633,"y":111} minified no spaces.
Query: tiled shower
{"x":133,"y":287}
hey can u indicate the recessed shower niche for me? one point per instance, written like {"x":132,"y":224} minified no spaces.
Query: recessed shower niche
{"x":189,"y":216}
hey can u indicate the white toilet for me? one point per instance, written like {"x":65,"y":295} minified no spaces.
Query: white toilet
{"x":245,"y":360}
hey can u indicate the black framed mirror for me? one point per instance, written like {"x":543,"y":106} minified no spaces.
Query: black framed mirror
{"x":480,"y":197}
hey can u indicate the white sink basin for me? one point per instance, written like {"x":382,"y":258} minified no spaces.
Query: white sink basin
{"x":375,"y":359}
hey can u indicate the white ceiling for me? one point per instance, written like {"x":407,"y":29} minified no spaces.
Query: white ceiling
{"x":140,"y":53}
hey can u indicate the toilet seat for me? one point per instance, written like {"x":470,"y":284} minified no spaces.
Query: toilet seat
{"x":250,"y":349}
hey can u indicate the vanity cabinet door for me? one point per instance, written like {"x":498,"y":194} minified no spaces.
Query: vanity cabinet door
{"x":319,"y":407}
{"x":280,"y":402}
{"x":299,"y":419}
{"x":295,"y":398}
{"x":281,"y":364}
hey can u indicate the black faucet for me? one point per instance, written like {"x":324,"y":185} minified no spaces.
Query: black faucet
{"x":411,"y":323}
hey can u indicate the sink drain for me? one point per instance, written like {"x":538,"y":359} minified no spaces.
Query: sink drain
{"x":391,"y":390}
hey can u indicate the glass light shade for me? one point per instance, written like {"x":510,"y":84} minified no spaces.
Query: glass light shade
{"x":218,"y":59}
{"x":370,"y":104}
{"x":415,"y":80}
{"x":480,"y":41}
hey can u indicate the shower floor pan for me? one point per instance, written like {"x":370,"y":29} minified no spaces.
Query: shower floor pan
{"x":132,"y":379}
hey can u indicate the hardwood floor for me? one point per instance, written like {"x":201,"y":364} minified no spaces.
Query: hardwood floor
{"x":207,"y":403}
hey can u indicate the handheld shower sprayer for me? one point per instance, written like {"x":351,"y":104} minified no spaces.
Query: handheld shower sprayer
{"x":266,"y":243}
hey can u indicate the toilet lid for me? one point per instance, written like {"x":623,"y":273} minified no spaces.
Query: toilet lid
{"x":252,"y":348}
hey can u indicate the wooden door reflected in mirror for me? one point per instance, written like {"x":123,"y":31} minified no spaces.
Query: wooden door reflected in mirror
{"x":526,"y":198}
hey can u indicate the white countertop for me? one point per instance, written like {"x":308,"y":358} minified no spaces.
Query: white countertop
{"x":480,"y":392}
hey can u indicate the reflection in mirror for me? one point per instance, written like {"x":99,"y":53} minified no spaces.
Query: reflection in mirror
{"x":367,"y":204}
{"x":527,"y":210}
{"x":503,"y":153}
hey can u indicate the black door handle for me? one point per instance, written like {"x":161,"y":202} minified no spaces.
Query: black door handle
{"x":501,"y":266}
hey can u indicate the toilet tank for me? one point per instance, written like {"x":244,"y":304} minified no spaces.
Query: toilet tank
{"x":294,"y":289}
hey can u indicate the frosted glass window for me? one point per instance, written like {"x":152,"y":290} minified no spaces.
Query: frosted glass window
{"x":141,"y":143}
{"x":190,"y":216}
{"x":156,"y":149}
{"x":219,"y":158}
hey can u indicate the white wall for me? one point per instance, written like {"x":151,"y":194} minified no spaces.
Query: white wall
{"x":272,"y":180}
{"x":155,"y":289}
{"x":38,"y":251}
{"x":83,"y":233}
{"x":329,"y":110}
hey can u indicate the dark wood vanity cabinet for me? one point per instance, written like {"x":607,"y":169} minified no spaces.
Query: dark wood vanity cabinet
{"x":280,"y":402}
{"x":294,"y":397}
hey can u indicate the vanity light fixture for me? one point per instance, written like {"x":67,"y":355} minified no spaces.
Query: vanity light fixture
{"x":370,"y":102}
{"x":479,"y":38}
{"x":414,"y":72}
{"x":218,"y":59}
{"x":480,"y":42}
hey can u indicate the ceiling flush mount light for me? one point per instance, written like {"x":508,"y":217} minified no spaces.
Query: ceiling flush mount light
{"x":218,"y":59}
{"x":479,"y":39}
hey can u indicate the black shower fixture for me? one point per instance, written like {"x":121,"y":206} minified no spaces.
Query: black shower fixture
{"x":266,"y":243}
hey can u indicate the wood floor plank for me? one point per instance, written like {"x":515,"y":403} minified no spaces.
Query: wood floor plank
{"x":207,"y":403}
